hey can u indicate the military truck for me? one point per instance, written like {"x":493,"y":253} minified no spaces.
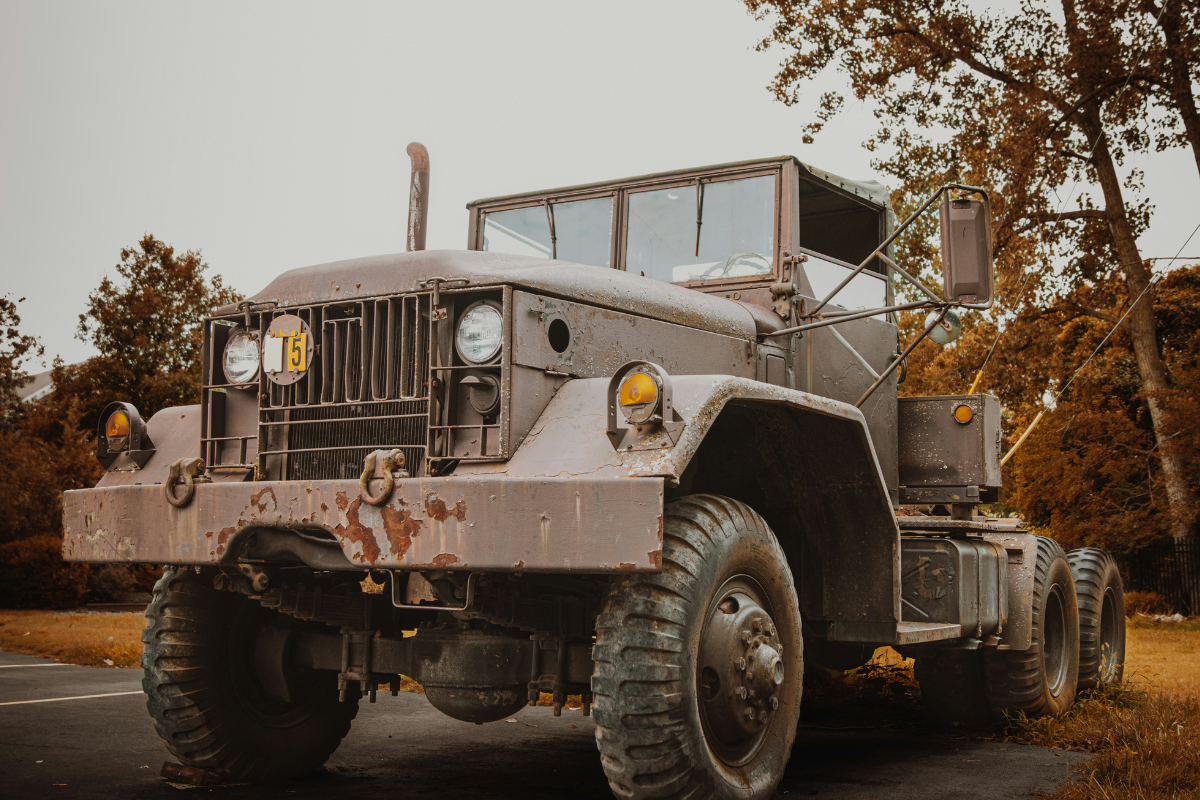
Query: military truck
{"x":641,"y":443}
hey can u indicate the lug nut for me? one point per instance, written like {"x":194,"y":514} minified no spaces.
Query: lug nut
{"x":756,"y":623}
{"x":749,"y":713}
{"x":741,"y":692}
{"x":741,"y":663}
{"x":746,"y":637}
{"x":774,"y":703}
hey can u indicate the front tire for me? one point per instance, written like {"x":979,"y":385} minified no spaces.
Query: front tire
{"x":699,"y":669}
{"x":1041,"y":681}
{"x":205,"y":692}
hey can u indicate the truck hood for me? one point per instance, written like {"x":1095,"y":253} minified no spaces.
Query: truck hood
{"x":599,"y":286}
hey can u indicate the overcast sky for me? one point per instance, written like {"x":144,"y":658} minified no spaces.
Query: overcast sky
{"x":271,"y":135}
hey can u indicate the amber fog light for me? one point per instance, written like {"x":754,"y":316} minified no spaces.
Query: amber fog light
{"x":639,"y":397}
{"x":121,"y":434}
{"x":963,"y":414}
{"x":116,"y":430}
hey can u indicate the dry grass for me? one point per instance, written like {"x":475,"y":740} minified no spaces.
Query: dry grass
{"x":92,"y":640}
{"x":1145,"y":734}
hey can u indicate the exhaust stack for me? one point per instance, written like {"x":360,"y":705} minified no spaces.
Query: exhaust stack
{"x":418,"y":196}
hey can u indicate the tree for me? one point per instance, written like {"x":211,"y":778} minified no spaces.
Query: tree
{"x":147,"y":327}
{"x":1172,"y":58}
{"x":15,"y":349}
{"x":1028,"y":105}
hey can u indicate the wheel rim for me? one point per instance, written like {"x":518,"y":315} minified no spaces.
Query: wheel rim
{"x":263,"y":705}
{"x":1108,"y":638}
{"x":1054,"y":641}
{"x":739,"y":671}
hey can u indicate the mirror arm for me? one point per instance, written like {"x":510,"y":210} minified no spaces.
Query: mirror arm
{"x":850,"y":316}
{"x":900,"y":358}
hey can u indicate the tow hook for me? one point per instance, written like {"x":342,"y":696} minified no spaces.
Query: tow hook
{"x":191,"y":471}
{"x":391,"y":466}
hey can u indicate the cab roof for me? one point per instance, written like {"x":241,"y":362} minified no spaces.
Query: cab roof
{"x":872,"y":192}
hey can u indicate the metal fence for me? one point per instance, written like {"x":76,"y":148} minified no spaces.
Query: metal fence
{"x":1170,"y":568}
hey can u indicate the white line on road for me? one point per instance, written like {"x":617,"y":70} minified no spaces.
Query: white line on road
{"x":57,"y":699}
{"x":11,"y":666}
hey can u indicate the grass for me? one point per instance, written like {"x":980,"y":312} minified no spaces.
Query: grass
{"x":93,"y":640}
{"x":1145,"y":734}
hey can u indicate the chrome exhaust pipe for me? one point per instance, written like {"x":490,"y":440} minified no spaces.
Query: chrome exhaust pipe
{"x":418,"y":196}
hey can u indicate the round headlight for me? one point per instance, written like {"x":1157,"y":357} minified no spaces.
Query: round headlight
{"x":241,"y":356}
{"x":116,"y":431}
{"x":638,"y":397}
{"x":480,"y":334}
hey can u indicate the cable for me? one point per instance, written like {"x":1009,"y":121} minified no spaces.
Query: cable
{"x":1088,"y":360}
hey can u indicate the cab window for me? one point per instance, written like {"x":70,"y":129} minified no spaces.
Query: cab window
{"x":582,"y":231}
{"x":705,"y":231}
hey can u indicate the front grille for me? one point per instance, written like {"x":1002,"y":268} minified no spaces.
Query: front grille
{"x":366,"y":388}
{"x":332,"y":441}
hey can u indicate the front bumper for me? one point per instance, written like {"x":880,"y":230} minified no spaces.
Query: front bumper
{"x":482,"y":523}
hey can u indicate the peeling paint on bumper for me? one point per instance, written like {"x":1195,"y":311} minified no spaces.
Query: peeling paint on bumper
{"x":589,"y":524}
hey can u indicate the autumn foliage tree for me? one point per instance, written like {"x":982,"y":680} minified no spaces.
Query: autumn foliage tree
{"x":146,"y":326}
{"x":1033,"y":103}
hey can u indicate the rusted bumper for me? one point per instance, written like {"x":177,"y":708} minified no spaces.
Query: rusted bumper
{"x":470,"y":522}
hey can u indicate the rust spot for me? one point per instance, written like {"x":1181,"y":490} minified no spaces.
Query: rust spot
{"x":342,"y":501}
{"x":223,"y":536}
{"x":400,"y":527}
{"x":445,"y":559}
{"x":519,"y":567}
{"x":627,"y":567}
{"x":220,"y":549}
{"x":355,"y":531}
{"x":436,"y":508}
{"x":656,"y":558}
{"x":324,"y":508}
{"x":257,"y":499}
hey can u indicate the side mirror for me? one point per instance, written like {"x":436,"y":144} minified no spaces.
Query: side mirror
{"x":967,"y":250}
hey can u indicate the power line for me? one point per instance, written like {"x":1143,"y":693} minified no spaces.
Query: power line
{"x":1088,"y":360}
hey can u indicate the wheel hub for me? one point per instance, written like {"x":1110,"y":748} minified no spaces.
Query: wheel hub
{"x":740,"y":672}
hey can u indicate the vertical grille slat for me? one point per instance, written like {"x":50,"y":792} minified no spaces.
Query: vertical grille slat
{"x":366,"y":389}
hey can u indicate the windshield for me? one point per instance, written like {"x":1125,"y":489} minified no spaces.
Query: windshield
{"x":703,"y":232}
{"x":582,"y":231}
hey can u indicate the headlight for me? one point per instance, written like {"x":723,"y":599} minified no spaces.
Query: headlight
{"x":638,"y":397}
{"x":116,"y":430}
{"x":241,"y":356}
{"x":480,"y":333}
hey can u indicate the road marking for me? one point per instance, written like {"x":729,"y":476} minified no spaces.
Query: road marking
{"x":12,"y":666}
{"x":77,"y":697}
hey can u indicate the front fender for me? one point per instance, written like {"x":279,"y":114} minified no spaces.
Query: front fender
{"x":804,"y":462}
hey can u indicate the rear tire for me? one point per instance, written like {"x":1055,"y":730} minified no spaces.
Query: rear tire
{"x":1101,"y":617}
{"x":699,"y":669}
{"x":199,"y":675}
{"x":1042,"y":680}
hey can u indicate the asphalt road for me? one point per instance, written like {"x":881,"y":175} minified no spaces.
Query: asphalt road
{"x":105,"y":746}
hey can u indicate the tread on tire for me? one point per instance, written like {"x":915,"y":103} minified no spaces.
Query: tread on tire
{"x":1101,"y":616}
{"x":1042,"y":680}
{"x":648,"y":717}
{"x":213,"y":716}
